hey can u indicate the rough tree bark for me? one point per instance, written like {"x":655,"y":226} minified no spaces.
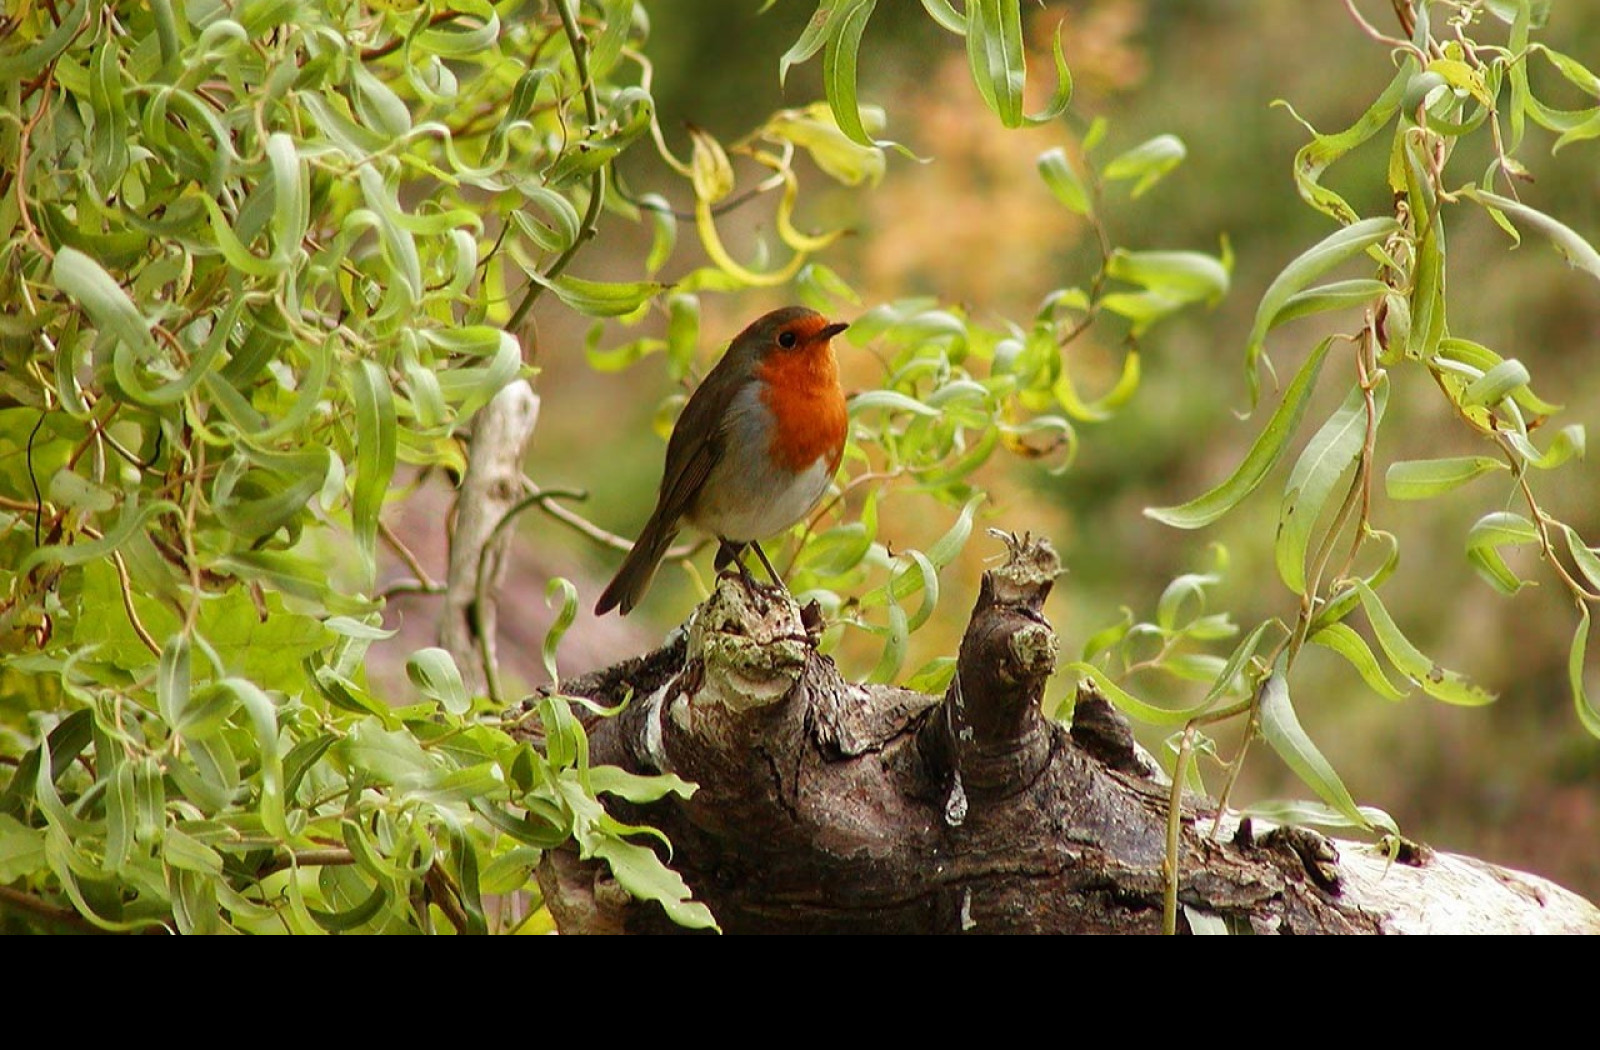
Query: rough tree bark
{"x":830,"y":807}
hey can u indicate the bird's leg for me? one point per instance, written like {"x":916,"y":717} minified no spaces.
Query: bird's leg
{"x":728,"y":554}
{"x":768,"y":565}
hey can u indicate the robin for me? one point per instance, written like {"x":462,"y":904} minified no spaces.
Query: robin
{"x":753,"y":451}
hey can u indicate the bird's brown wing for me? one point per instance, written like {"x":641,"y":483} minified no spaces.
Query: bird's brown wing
{"x":698,"y":440}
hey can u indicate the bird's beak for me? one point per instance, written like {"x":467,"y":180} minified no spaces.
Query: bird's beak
{"x":829,"y":331}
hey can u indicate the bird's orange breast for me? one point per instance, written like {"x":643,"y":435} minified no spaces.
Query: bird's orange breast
{"x":808,"y":411}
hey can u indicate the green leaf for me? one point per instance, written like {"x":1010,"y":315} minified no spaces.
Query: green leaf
{"x":709,"y":169}
{"x":558,"y":627}
{"x":1268,"y":448}
{"x":1343,"y":639}
{"x":1337,"y":247}
{"x":641,"y":790}
{"x":172,"y":679}
{"x":889,"y":400}
{"x":995,"y":54}
{"x":21,"y":850}
{"x":1484,"y":540}
{"x":944,"y":13}
{"x":1588,"y":714}
{"x":1281,"y":729}
{"x":1570,"y":441}
{"x":1147,"y":162}
{"x":600,"y":298}
{"x":108,"y":306}
{"x":132,"y":519}
{"x":639,"y":871}
{"x":1575,"y":249}
{"x":1130,"y":705}
{"x":377,"y":442}
{"x":1063,"y":181}
{"x":1316,"y":156}
{"x":1296,"y":812}
{"x":1415,"y":479}
{"x":1481,"y":358}
{"x":433,"y":671}
{"x":1436,"y":681}
{"x":839,"y":66}
{"x":1327,"y":456}
{"x":1494,"y":385}
{"x":1587,"y":561}
{"x":824,"y":26}
{"x":1337,"y":295}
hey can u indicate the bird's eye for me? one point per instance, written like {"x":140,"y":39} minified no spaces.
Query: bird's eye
{"x":787,"y":340}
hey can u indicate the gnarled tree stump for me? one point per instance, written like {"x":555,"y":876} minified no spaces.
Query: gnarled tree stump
{"x":830,"y":807}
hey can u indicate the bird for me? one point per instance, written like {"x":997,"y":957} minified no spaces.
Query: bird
{"x":753,"y":452}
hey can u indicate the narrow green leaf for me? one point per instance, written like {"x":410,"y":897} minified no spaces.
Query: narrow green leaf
{"x":710,"y":171}
{"x":1343,"y":639}
{"x":1436,"y":681}
{"x":1327,"y":456}
{"x":565,"y":615}
{"x":995,"y":54}
{"x":600,"y":298}
{"x":896,"y":636}
{"x":1575,"y":249}
{"x":172,"y":679}
{"x":1484,"y":540}
{"x":839,"y":66}
{"x":1571,"y":440}
{"x":892,"y":401}
{"x":1297,"y":812}
{"x":377,"y":444}
{"x":944,"y":550}
{"x":1222,"y":683}
{"x":1316,"y":156}
{"x":264,"y":721}
{"x":1063,"y":181}
{"x":944,"y":13}
{"x":1588,"y":714}
{"x":1415,"y":479}
{"x":1183,"y":276}
{"x":823,"y":26}
{"x":1337,"y":295}
{"x":1147,"y":162}
{"x":1495,"y":384}
{"x":433,"y":671}
{"x":1266,"y":451}
{"x":108,"y":306}
{"x":132,"y":519}
{"x":1587,"y":561}
{"x":1130,"y":705}
{"x":1281,"y":729}
{"x":1337,"y":247}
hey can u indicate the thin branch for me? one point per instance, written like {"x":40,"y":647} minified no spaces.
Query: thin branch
{"x":545,"y":499}
{"x":428,"y":583}
{"x":443,"y":893}
{"x":1376,"y":34}
{"x":127,"y":603}
{"x":28,"y":904}
{"x":306,"y":858}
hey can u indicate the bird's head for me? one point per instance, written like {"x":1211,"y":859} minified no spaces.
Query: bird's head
{"x":791,"y":330}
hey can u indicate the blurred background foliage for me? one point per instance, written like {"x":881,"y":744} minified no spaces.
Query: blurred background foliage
{"x":970,"y":222}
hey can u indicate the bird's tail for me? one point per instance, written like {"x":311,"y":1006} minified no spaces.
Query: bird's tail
{"x":627,"y":588}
